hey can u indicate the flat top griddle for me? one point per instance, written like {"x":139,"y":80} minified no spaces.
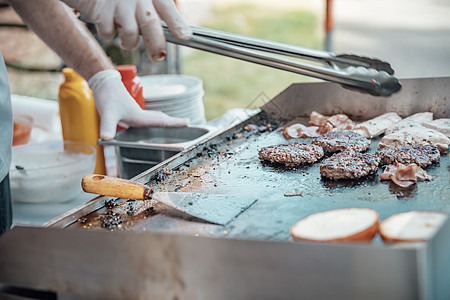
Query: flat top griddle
{"x":285,"y":195}
{"x":269,"y":267}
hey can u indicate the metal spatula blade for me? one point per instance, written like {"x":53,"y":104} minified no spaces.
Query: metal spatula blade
{"x":213,"y":208}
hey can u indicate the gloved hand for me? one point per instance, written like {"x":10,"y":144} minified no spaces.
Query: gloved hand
{"x":115,"y":105}
{"x":129,"y":17}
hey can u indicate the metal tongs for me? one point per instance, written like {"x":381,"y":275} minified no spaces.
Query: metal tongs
{"x":363,"y":74}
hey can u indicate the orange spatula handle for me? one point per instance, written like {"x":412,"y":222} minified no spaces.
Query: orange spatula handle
{"x":115,"y":187}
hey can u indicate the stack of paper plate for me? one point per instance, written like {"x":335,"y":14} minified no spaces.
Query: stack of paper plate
{"x":176,"y":95}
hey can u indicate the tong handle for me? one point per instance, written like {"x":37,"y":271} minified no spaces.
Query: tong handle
{"x":333,"y":68}
{"x":115,"y":187}
{"x":342,"y":60}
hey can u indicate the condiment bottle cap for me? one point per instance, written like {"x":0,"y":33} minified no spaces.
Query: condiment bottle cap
{"x":71,"y":75}
{"x":127,"y":71}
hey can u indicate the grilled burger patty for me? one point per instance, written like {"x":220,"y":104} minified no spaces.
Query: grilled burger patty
{"x":421,"y":155}
{"x":291,"y":154}
{"x":349,"y":165}
{"x":335,"y":141}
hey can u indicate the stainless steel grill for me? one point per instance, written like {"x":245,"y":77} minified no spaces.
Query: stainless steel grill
{"x":162,"y":254}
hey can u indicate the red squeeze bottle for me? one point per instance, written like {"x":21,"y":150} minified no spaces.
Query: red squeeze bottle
{"x":132,"y":83}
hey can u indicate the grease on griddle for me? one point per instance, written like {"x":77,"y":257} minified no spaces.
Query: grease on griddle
{"x":402,"y":193}
{"x":369,"y":180}
{"x":280,"y":168}
{"x":111,"y":220}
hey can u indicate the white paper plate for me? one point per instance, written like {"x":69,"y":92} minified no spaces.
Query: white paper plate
{"x":169,"y":86}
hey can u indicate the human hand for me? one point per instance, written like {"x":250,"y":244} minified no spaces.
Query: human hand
{"x":129,"y":17}
{"x":115,"y":105}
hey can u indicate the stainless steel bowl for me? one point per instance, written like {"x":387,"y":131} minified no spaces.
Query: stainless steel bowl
{"x":139,"y":149}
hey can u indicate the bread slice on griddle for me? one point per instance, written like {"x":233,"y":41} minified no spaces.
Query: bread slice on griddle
{"x":338,"y":225}
{"x":413,"y":226}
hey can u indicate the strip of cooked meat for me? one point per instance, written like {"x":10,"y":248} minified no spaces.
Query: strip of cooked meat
{"x":330,"y":123}
{"x":317,"y":119}
{"x":413,"y":133}
{"x":291,"y":154}
{"x":349,"y":165}
{"x":378,"y":125}
{"x":297,"y":131}
{"x":335,"y":141}
{"x":422,"y":155}
{"x":404,"y":175}
{"x":411,"y":121}
{"x":441,"y":125}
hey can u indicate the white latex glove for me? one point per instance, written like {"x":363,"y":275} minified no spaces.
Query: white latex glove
{"x":115,"y":105}
{"x":129,"y":17}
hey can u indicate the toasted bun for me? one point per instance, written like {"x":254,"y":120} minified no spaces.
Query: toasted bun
{"x":413,"y":226}
{"x":338,"y":225}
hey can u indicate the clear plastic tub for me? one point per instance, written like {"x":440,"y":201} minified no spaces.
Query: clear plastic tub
{"x":50,"y":171}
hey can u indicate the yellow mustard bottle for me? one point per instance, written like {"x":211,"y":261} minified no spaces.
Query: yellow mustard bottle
{"x":79,"y":117}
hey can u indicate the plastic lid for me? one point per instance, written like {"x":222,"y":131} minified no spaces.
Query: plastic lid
{"x":127,"y":71}
{"x":71,"y":75}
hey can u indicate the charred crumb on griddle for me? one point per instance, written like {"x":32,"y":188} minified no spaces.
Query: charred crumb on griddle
{"x":160,"y":176}
{"x":269,"y":127}
{"x":149,"y":212}
{"x":293,"y":194}
{"x":250,"y":127}
{"x":131,"y":211}
{"x":209,"y":151}
{"x":227,"y":153}
{"x":111,"y":220}
{"x":178,"y":187}
{"x":82,"y":220}
{"x":110,"y":203}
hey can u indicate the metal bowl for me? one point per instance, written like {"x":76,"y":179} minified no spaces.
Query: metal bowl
{"x":139,"y":149}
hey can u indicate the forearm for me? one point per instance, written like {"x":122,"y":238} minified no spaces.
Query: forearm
{"x":58,"y":27}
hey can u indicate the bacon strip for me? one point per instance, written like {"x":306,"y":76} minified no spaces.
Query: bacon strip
{"x":404,"y":175}
{"x":297,"y":131}
{"x":320,"y":125}
{"x":330,"y":123}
